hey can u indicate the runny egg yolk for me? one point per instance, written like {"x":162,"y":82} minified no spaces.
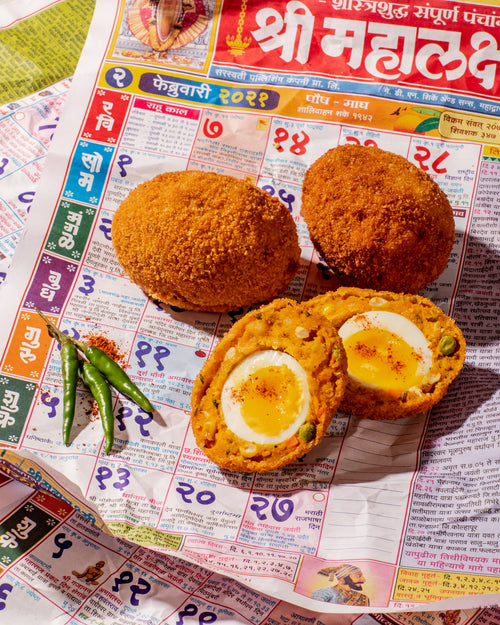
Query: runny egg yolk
{"x":382,"y":359}
{"x":385,"y":351}
{"x":265,"y":398}
{"x":269,"y":399}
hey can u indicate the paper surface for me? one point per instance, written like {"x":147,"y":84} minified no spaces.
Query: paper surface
{"x":40,"y":43}
{"x":254,"y":94}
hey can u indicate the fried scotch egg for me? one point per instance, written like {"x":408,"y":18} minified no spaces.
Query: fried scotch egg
{"x":199,"y":240}
{"x":269,"y":389}
{"x":376,"y":219}
{"x":402,"y":351}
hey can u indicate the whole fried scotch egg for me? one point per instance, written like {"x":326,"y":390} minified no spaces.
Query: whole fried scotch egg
{"x":270,"y":388}
{"x":402,"y":351}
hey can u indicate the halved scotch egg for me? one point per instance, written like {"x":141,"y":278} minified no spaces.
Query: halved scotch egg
{"x":269,"y":389}
{"x":402,"y":351}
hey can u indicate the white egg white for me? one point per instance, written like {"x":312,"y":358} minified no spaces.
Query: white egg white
{"x":390,"y":322}
{"x":231,"y":408}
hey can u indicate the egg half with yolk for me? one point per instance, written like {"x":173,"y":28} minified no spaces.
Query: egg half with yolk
{"x":265,"y":398}
{"x":385,"y":351}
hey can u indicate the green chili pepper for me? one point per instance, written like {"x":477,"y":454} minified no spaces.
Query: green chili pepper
{"x":69,"y":361}
{"x":115,"y":375}
{"x":54,"y":331}
{"x":102,"y":394}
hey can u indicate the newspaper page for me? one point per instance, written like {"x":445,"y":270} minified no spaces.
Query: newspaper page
{"x":63,"y":569}
{"x":58,"y":567}
{"x":27,"y":127}
{"x":260,"y":92}
{"x":41,"y":41}
{"x":35,"y":77}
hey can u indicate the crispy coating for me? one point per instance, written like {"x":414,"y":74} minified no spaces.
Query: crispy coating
{"x":285,"y":326}
{"x":338,"y":306}
{"x":205,"y":241}
{"x":377,"y":220}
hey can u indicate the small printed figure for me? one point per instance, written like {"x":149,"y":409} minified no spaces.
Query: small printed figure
{"x":450,"y":617}
{"x":167,"y":24}
{"x":346,"y":583}
{"x":91,"y":573}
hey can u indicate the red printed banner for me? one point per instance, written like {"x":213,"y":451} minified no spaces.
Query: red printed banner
{"x":167,"y":109}
{"x":53,"y":504}
{"x":106,"y":116}
{"x":446,"y":46}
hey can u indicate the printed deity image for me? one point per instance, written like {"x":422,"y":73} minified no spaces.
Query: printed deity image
{"x":166,"y":32}
{"x":345,"y":585}
{"x":450,"y":617}
{"x":92,"y":573}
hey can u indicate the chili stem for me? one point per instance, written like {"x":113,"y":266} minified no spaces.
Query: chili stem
{"x":54,"y":331}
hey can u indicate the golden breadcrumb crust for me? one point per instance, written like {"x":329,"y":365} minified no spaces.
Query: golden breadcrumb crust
{"x":376,"y":219}
{"x":285,"y":326}
{"x":205,"y":241}
{"x":338,"y":306}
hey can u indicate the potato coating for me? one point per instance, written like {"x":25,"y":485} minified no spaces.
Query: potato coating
{"x":377,"y":220}
{"x":205,"y":241}
{"x":285,"y":326}
{"x":444,"y":338}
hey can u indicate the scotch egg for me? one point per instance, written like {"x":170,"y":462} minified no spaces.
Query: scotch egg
{"x":402,"y":351}
{"x":270,"y":388}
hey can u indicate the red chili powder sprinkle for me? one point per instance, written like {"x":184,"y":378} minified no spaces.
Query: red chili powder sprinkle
{"x":107,"y":345}
{"x":92,"y":413}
